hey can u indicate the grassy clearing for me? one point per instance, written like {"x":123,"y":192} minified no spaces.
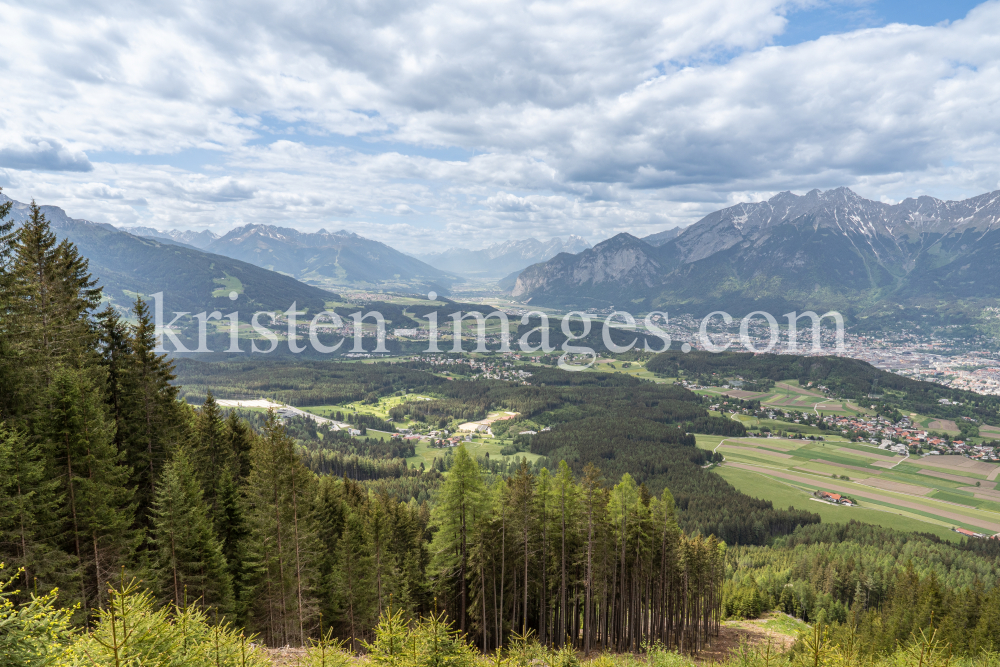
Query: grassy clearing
{"x":426,"y":454}
{"x":785,"y":624}
{"x":228,"y":284}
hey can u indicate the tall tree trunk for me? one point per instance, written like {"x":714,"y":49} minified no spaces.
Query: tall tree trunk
{"x":524,"y":621}
{"x":588,"y":631}
{"x":562,"y":583}
{"x":462,"y":571}
{"x":298,"y":563}
{"x":281,"y":566}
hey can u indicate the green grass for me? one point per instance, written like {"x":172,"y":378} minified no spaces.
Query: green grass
{"x":901,"y":474}
{"x":834,"y":457}
{"x":865,"y":448}
{"x":786,"y":494}
{"x":229,"y":284}
{"x":917,"y":462}
{"x":963,"y":499}
{"x":425,"y":454}
{"x":918,"y":514}
{"x":785,"y":624}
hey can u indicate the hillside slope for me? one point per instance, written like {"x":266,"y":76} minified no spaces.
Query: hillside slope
{"x":191,"y":280}
{"x":821,"y":250}
{"x":329,"y":258}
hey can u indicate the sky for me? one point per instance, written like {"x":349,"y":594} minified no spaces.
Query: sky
{"x":428,"y":124}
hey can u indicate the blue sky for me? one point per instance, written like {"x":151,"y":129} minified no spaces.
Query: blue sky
{"x":427,"y":124}
{"x":827,"y":18}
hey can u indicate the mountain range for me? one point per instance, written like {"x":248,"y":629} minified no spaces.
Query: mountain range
{"x":821,"y":250}
{"x":199,"y":240}
{"x":500,"y":260}
{"x":192,"y":280}
{"x":323,"y":259}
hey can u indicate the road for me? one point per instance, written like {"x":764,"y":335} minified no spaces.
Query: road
{"x":278,"y":407}
{"x":316,"y":418}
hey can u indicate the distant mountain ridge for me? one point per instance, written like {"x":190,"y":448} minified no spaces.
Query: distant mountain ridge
{"x":329,"y":259}
{"x":199,"y":240}
{"x":502,"y":259}
{"x":192,"y":280}
{"x":660,"y":238}
{"x":830,"y":249}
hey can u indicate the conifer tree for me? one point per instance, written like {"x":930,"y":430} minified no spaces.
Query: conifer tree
{"x":153,"y":417}
{"x":7,"y":237}
{"x":190,"y":563}
{"x":352,"y":581}
{"x":93,"y":481}
{"x":230,"y":526}
{"x":567,"y":499}
{"x":57,"y":295}
{"x":593,"y":505}
{"x":461,"y":500}
{"x":116,"y":352}
{"x":29,"y":507}
{"x":522,"y":487}
{"x":280,"y":495}
{"x":211,"y":453}
{"x":240,"y":438}
{"x":8,"y":303}
{"x":543,"y":506}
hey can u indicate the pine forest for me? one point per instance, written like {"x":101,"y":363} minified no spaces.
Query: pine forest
{"x":143,"y":524}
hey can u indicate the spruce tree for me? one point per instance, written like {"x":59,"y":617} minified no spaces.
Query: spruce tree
{"x":93,"y":480}
{"x":240,"y":437}
{"x":29,"y":507}
{"x":190,"y":564}
{"x":211,"y":453}
{"x":7,"y":237}
{"x":154,"y":419}
{"x":56,"y":296}
{"x":9,"y":365}
{"x":352,"y":581}
{"x":232,"y":531}
{"x":116,"y":351}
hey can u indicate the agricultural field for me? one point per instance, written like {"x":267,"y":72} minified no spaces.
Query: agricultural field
{"x":788,"y":395}
{"x":930,"y":493}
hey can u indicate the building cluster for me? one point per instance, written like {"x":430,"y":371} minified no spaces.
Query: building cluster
{"x":903,"y":437}
{"x":981,"y":536}
{"x":835,"y":498}
{"x":487,"y":368}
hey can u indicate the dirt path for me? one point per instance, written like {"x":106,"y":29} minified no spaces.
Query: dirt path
{"x":756,"y":635}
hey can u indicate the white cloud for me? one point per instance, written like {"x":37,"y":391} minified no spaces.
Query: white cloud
{"x":478,"y":120}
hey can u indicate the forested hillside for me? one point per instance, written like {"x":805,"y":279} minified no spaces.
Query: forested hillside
{"x":848,"y":378}
{"x":129,"y":518}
